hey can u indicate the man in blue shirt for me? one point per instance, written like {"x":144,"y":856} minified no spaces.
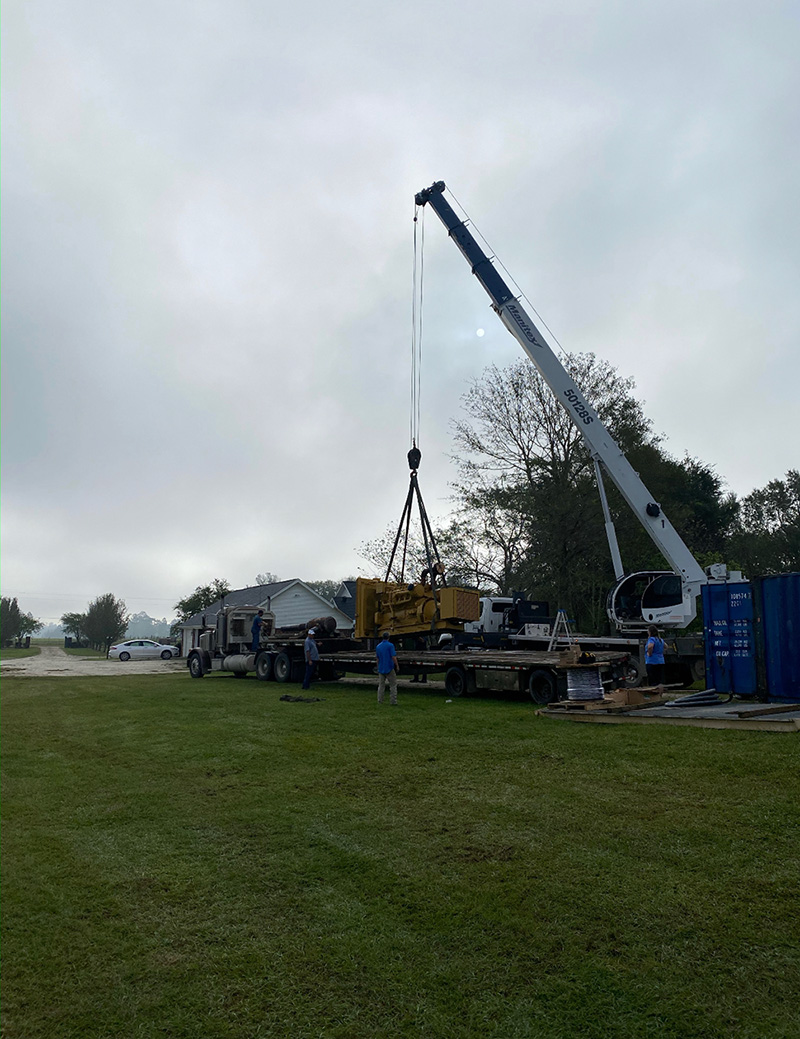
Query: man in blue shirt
{"x":311,"y":651}
{"x":387,"y":668}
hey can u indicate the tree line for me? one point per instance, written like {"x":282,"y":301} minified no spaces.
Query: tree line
{"x":526,"y":510}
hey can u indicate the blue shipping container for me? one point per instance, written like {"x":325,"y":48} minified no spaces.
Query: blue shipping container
{"x":778,"y":623}
{"x":729,"y":644}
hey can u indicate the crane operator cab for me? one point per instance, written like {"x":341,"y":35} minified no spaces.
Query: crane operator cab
{"x":649,"y":597}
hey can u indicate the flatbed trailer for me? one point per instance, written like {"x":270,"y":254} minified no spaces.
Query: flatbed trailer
{"x":545,"y":675}
{"x":542,"y":675}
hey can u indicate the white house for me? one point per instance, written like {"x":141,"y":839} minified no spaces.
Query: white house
{"x":292,"y":602}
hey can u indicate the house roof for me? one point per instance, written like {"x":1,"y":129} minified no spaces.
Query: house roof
{"x":345,"y":599}
{"x":256,"y":595}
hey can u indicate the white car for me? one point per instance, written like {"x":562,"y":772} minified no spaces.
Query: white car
{"x":142,"y":649}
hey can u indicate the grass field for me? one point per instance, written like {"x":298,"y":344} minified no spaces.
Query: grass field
{"x":199,"y":859}
{"x":9,"y":653}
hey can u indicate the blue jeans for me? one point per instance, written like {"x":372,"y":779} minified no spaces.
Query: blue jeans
{"x":310,"y":669}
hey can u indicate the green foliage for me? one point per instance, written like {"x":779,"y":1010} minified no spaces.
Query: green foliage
{"x":204,"y":595}
{"x":14,"y":624}
{"x":106,"y":621}
{"x":74,"y":624}
{"x":767,"y":539}
{"x":528,"y":510}
{"x":200,"y":859}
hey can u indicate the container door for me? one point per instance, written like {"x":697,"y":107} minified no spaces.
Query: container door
{"x":780,"y":612}
{"x":729,"y":647}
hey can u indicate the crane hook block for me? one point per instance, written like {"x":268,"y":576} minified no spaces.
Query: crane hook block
{"x":414,"y":458}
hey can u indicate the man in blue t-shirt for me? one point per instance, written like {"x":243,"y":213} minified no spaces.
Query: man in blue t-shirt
{"x":387,"y":668}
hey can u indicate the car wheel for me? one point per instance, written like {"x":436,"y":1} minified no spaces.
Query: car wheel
{"x":166,"y":655}
{"x":264,"y":667}
{"x":455,"y":681}
{"x":542,"y":687}
{"x":124,"y":656}
{"x":195,"y":666}
{"x":282,"y":668}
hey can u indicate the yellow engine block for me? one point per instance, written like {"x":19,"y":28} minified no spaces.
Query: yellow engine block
{"x":409,"y":609}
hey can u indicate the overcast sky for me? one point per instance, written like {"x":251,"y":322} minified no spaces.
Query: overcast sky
{"x":207,"y":258}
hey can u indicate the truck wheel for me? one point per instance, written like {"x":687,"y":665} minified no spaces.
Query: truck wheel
{"x":264,"y":667}
{"x":698,"y":669}
{"x":455,"y":681}
{"x":634,"y":673}
{"x":282,"y":668}
{"x":195,"y":666}
{"x":542,"y":687}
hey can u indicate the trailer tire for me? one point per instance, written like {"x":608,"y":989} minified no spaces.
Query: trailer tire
{"x":282,"y":667}
{"x":542,"y":687}
{"x":634,"y":673}
{"x":196,"y":669}
{"x":698,"y":669}
{"x":265,"y":664}
{"x":455,"y":681}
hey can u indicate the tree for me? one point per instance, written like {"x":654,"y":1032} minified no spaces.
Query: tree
{"x":74,"y":624}
{"x":9,"y":620}
{"x":767,"y":539}
{"x":267,"y":578}
{"x":106,"y":621}
{"x":14,"y":624}
{"x":526,"y":491}
{"x":528,"y":511}
{"x":204,"y":595}
{"x":29,"y":625}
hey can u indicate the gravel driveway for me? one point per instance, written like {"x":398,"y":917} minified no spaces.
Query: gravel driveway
{"x":53,"y":661}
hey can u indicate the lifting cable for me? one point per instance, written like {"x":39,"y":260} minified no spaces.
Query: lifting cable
{"x":434,"y":568}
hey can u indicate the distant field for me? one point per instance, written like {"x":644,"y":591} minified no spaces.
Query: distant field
{"x":17,"y":654}
{"x":200,"y":859}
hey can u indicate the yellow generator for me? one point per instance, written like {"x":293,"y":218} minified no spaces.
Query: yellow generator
{"x":411,"y":609}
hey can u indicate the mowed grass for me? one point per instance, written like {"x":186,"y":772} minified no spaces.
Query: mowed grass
{"x":11,"y":653}
{"x":199,"y":859}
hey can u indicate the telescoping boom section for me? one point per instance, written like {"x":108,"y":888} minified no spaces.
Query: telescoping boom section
{"x":602,"y":445}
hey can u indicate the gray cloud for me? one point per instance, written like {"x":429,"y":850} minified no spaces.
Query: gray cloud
{"x":207,"y":245}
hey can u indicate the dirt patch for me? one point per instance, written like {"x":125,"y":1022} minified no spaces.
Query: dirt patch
{"x":54,"y":662}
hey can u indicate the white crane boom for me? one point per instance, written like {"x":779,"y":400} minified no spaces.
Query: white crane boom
{"x":602,"y":445}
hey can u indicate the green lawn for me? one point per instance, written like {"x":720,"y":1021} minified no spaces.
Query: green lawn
{"x":9,"y":653}
{"x":199,"y":859}
{"x":96,"y":654}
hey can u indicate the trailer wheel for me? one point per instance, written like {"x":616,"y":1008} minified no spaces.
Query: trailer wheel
{"x":698,"y":669}
{"x":282,"y":667}
{"x":634,"y":673}
{"x":264,"y":666}
{"x":542,"y":687}
{"x":196,"y":666}
{"x":455,"y":681}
